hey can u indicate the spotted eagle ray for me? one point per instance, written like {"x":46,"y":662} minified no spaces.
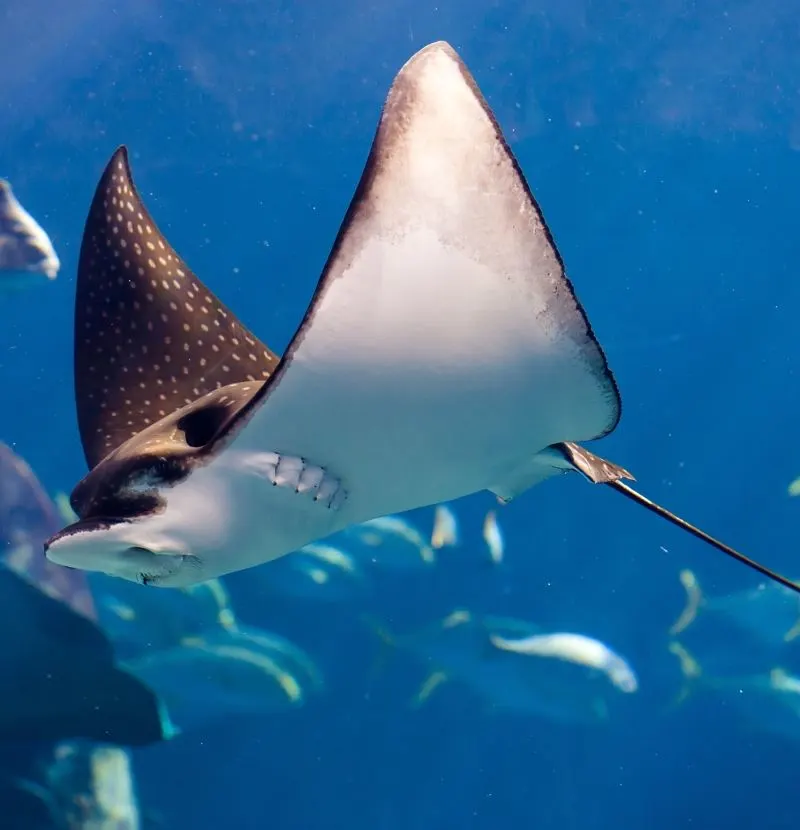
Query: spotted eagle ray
{"x":443,"y":353}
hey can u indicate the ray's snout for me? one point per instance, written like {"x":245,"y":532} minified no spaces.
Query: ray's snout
{"x":48,"y":543}
{"x":53,"y":540}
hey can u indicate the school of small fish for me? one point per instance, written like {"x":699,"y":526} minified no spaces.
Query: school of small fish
{"x":207,"y":666}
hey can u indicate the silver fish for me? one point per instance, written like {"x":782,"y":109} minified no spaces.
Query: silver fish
{"x":26,"y":253}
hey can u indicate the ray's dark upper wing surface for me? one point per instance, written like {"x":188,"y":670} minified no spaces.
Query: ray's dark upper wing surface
{"x":149,"y":338}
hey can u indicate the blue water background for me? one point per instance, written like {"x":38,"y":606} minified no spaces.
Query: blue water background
{"x":661,"y":141}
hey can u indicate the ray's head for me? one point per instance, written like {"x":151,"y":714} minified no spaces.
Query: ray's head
{"x":134,"y":519}
{"x":162,"y":369}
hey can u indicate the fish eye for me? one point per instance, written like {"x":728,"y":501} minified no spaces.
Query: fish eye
{"x":159,"y":470}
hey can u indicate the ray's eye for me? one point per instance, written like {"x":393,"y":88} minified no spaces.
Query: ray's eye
{"x":162,"y":467}
{"x":164,"y":470}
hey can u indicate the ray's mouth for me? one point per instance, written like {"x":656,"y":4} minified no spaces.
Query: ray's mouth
{"x":77,"y":546}
{"x":169,"y":565}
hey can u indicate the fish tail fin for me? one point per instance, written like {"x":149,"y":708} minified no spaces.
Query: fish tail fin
{"x":169,"y":729}
{"x":427,"y":554}
{"x":793,"y":633}
{"x":694,"y":599}
{"x":65,"y":508}
{"x":600,"y":709}
{"x":690,"y":672}
{"x":226,"y":617}
{"x":386,"y":644}
{"x":493,"y":538}
{"x":431,"y":683}
{"x":378,"y":629}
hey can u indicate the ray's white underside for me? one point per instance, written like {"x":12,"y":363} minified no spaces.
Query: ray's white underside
{"x":446,"y":349}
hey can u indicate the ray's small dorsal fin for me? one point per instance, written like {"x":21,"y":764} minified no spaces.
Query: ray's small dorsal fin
{"x":149,"y":336}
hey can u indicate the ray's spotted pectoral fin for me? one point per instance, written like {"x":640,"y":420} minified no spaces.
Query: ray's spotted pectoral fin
{"x":149,"y":337}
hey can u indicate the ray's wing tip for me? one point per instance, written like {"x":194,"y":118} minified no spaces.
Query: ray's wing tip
{"x":120,"y":154}
{"x":441,"y":46}
{"x":119,"y":162}
{"x":436,"y":49}
{"x":117,"y":171}
{"x":433,"y":74}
